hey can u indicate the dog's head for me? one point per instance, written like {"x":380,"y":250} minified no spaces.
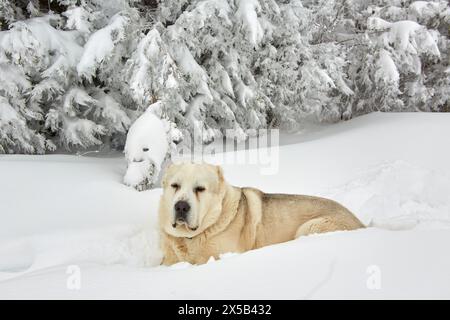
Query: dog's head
{"x":192,"y":198}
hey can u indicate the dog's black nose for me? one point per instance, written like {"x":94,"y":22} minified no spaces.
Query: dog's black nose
{"x":181,"y":210}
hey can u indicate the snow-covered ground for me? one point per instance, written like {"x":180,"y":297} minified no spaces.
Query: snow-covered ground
{"x":62,"y":214}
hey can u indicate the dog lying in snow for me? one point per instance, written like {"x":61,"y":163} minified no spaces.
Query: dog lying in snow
{"x":201,"y":215}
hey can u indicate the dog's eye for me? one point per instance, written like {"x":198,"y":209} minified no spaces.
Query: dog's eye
{"x":199,"y":189}
{"x":145,"y":149}
{"x":176,"y":186}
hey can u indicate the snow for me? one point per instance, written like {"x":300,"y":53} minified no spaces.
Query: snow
{"x":426,"y":9}
{"x":148,"y":49}
{"x":111,"y":111}
{"x":243,"y":93}
{"x":77,"y":19}
{"x":13,"y":78}
{"x":39,"y":35}
{"x":188,"y":65}
{"x":400,"y":187}
{"x":206,"y":9}
{"x":78,"y":96}
{"x":375,"y":23}
{"x":226,"y":83}
{"x":387,"y":70}
{"x":100,"y":45}
{"x":246,"y":13}
{"x":390,"y":169}
{"x":145,"y":149}
{"x":406,"y":36}
{"x":221,"y":64}
{"x":7,"y":113}
{"x":81,"y":132}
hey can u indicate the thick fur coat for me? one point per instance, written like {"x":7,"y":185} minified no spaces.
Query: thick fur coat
{"x":222,"y":218}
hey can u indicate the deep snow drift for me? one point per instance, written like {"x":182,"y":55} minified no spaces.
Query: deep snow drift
{"x":391,"y":170}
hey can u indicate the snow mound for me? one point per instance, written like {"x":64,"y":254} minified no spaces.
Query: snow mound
{"x":145,"y":149}
{"x":398,"y":195}
{"x":124,"y":245}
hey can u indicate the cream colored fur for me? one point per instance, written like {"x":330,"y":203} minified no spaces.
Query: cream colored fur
{"x":224,"y":218}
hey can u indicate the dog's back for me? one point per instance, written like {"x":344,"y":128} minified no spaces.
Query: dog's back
{"x":284,"y":217}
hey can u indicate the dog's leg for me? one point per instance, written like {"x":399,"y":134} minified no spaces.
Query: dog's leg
{"x":326,"y":224}
{"x":170,"y":258}
{"x":169,"y":255}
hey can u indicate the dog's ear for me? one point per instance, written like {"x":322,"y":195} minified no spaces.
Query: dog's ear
{"x":166,"y":175}
{"x":220,"y":174}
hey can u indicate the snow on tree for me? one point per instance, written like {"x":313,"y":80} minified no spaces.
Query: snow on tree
{"x":100,"y":46}
{"x":78,"y":19}
{"x":53,"y":53}
{"x":236,"y":65}
{"x":76,"y":74}
{"x":397,"y":37}
{"x":403,"y":46}
{"x":15,"y":135}
{"x":153,"y":76}
{"x":10,"y":12}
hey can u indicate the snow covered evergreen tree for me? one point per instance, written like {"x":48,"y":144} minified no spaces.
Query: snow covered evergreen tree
{"x":399,"y":55}
{"x":58,"y":84}
{"x":75,"y":74}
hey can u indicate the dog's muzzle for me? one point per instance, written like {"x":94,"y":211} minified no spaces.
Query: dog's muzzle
{"x":182,"y":209}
